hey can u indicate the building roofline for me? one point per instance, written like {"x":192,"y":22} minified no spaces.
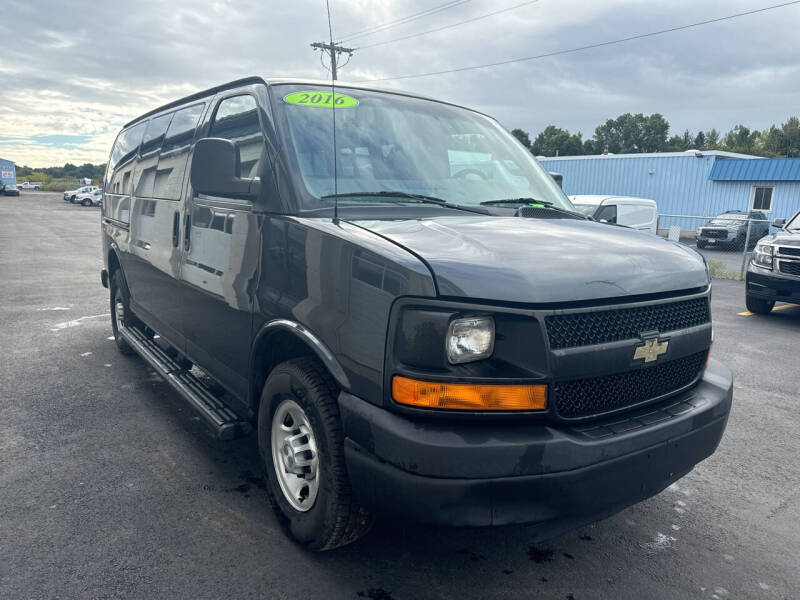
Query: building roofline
{"x":719,"y":153}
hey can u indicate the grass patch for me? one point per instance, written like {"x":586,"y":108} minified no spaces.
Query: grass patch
{"x":719,"y":270}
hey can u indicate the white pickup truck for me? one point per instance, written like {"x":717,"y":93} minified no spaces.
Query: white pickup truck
{"x":30,"y":185}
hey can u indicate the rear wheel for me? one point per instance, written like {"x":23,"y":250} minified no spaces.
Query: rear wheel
{"x":86,"y":202}
{"x":302,"y":446}
{"x":759,"y":306}
{"x":120,"y":311}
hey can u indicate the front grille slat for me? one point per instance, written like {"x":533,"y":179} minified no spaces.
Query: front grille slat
{"x":790,"y":267}
{"x":594,"y":396}
{"x":789,"y":251}
{"x":603,"y":326}
{"x":719,"y":234}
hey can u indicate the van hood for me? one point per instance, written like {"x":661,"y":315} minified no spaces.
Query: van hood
{"x":528,"y":260}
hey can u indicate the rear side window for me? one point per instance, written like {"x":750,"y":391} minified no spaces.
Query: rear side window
{"x":122,"y":157}
{"x":237,"y":120}
{"x":175,"y":151}
{"x":148,"y":155}
{"x":636,"y":214}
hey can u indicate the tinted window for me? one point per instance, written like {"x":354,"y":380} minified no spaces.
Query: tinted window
{"x":607,"y":213}
{"x":126,"y":145}
{"x":154,"y":134}
{"x":237,"y":120}
{"x":122,"y":159}
{"x":148,"y":156}
{"x":174,"y":152}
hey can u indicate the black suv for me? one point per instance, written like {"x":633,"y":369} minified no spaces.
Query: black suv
{"x":730,"y":229}
{"x":409,"y":313}
{"x":774,"y":270}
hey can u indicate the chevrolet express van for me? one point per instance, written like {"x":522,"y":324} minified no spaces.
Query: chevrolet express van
{"x":410,"y":315}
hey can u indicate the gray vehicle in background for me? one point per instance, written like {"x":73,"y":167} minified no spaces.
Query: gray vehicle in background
{"x":72,"y":195}
{"x":730,"y":229}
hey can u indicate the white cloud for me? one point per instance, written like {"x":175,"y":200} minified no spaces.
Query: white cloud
{"x":85,"y":68}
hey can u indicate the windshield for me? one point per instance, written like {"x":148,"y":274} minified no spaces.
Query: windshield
{"x":586,"y":209}
{"x":727,"y":219}
{"x":387,"y":142}
{"x":794,"y":223}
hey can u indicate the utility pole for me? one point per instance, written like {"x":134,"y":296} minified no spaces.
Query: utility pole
{"x":334,"y":50}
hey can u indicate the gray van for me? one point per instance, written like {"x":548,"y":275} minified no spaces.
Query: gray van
{"x":405,"y":309}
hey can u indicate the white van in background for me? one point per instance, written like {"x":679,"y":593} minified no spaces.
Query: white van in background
{"x":637,"y":213}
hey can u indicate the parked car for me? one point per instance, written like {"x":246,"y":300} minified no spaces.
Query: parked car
{"x":637,"y":213}
{"x":11,"y":189}
{"x":774,"y":270}
{"x":730,"y":229}
{"x":403,"y":337}
{"x":71,"y":195}
{"x":30,"y":185}
{"x":93,"y":198}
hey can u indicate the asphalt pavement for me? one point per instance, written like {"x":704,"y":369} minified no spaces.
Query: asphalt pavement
{"x":110,"y":487}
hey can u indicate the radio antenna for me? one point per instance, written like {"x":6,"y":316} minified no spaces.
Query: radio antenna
{"x":333,"y":112}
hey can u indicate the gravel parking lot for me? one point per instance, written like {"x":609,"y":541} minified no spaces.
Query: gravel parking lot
{"x":110,"y":486}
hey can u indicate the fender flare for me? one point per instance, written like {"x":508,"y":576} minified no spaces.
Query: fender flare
{"x":312,"y":341}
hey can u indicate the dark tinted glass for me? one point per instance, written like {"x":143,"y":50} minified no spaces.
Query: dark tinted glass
{"x":607,"y":213}
{"x":237,"y":120}
{"x":126,"y":145}
{"x":175,"y":151}
{"x":154,"y":134}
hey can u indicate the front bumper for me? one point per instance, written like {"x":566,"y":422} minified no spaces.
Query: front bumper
{"x":772,"y":285}
{"x":559,"y":478}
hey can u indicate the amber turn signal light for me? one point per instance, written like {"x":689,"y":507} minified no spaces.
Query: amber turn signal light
{"x":467,"y":396}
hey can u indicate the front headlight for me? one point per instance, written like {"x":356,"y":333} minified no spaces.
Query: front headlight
{"x":470,"y":339}
{"x":762,"y":256}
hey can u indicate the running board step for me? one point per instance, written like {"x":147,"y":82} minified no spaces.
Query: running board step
{"x":224,"y":421}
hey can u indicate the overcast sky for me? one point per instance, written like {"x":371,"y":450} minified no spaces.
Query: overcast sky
{"x":71,"y":73}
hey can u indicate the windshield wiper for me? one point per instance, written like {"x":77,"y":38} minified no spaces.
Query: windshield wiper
{"x":519,"y":202}
{"x":409,"y":195}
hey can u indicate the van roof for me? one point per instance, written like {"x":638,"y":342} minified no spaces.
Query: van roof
{"x":598,"y":199}
{"x":277,"y":81}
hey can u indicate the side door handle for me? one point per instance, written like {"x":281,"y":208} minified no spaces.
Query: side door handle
{"x":175,"y":229}
{"x":187,"y":231}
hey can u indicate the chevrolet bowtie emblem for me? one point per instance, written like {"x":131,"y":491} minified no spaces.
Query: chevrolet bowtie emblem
{"x":650,"y":350}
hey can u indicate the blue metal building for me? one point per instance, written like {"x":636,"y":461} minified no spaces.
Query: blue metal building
{"x":687,"y":183}
{"x":8,"y":173}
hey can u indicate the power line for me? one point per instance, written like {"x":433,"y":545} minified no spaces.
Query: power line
{"x":404,"y":20}
{"x":334,"y":50}
{"x":413,"y":35}
{"x":588,"y":47}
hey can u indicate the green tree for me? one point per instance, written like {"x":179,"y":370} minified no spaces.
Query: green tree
{"x":522,"y":136}
{"x":700,"y":140}
{"x":554,"y":141}
{"x":712,"y":140}
{"x":633,"y":133}
{"x":740,"y":139}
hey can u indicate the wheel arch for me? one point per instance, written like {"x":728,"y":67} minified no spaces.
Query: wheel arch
{"x":280,"y":340}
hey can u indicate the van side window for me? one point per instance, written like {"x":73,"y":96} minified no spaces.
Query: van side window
{"x":607,"y":213}
{"x":175,"y":151}
{"x":122,"y":157}
{"x":237,"y":120}
{"x":148,"y":155}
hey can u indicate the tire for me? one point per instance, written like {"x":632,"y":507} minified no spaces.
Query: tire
{"x":72,"y":199}
{"x":701,"y":244}
{"x":758,"y":306}
{"x":120,"y":311}
{"x":86,"y":202}
{"x":330,"y":518}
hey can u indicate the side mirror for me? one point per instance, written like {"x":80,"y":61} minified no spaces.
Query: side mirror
{"x":216,"y":168}
{"x":779,"y":223}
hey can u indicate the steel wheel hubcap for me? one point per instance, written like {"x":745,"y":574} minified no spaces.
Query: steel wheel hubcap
{"x":294,"y":455}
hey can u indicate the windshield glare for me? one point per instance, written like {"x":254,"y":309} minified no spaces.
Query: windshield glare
{"x":389,"y":142}
{"x":586,"y":209}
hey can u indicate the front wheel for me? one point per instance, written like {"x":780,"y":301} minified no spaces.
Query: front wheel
{"x":72,"y":199}
{"x":701,"y":244}
{"x":120,"y":311}
{"x":302,"y":445}
{"x":758,"y":306}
